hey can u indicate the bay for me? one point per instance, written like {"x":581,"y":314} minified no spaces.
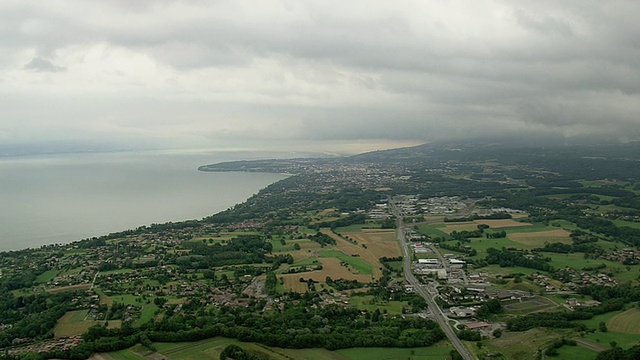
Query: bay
{"x":50,"y":199}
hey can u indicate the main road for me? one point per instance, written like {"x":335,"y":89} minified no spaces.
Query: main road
{"x":428,"y":297}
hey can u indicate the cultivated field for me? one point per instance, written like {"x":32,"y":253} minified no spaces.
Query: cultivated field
{"x":331,"y":266}
{"x":377,"y":242}
{"x":211,"y":349}
{"x":473,"y":225}
{"x":540,"y":237}
{"x":529,"y":306}
{"x":345,"y":260}
{"x":74,"y":323}
{"x":628,"y":322}
{"x":69,"y":288}
{"x":523,"y":345}
{"x":380,"y":242}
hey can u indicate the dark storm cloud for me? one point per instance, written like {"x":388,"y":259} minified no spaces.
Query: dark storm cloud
{"x":328,"y":70}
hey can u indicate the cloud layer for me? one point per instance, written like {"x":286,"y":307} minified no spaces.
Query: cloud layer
{"x":195,"y":73}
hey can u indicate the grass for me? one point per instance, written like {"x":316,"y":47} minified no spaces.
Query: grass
{"x":210,"y":349}
{"x":631,"y":224}
{"x":369,"y":303}
{"x":525,"y":307}
{"x":73,"y":323}
{"x":358,"y":227}
{"x":306,"y":262}
{"x":126,"y":299}
{"x":440,"y":351}
{"x":605,"y":338}
{"x":396,"y":265}
{"x":496,"y":269}
{"x":433,"y":230}
{"x":148,"y":312}
{"x":575,"y":352}
{"x":46,"y":276}
{"x":361,"y":265}
{"x":628,"y":322}
{"x":523,"y":345}
{"x":596,"y":320}
{"x":578,"y":262}
{"x":126,"y":354}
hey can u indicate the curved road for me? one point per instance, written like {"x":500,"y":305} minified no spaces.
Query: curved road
{"x":428,"y":297}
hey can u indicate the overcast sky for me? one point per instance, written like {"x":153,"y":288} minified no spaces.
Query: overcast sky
{"x":196,"y":73}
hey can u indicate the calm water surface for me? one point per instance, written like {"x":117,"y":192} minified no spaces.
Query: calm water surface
{"x":63,"y":198}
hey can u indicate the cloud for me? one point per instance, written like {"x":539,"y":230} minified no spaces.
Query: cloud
{"x":40,"y":64}
{"x":192,"y":72}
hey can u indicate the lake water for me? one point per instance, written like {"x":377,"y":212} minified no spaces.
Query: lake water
{"x":62,"y":198}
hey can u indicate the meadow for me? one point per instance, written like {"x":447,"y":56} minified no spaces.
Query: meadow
{"x":210,"y":349}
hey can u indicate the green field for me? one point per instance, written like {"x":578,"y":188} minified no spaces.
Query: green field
{"x":605,"y":338}
{"x":210,"y":349}
{"x":126,"y":299}
{"x":578,"y":262}
{"x":433,"y":230}
{"x":47,"y":276}
{"x":306,"y":262}
{"x":358,"y":227}
{"x":148,"y":312}
{"x":361,"y":265}
{"x":370,"y":303}
{"x":126,"y":354}
{"x":523,"y":345}
{"x":575,"y":353}
{"x":596,"y":320}
{"x":396,"y":265}
{"x":528,"y":306}
{"x":631,"y":224}
{"x":436,"y":352}
{"x":628,"y":322}
{"x":74,"y":323}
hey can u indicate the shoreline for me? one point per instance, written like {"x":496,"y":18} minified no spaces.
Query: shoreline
{"x":70,"y":201}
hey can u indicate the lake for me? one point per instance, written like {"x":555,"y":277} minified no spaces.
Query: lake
{"x":49,"y":199}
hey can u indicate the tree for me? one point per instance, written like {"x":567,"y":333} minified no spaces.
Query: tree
{"x":602,"y":327}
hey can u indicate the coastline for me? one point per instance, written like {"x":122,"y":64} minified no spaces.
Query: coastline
{"x":60,"y":200}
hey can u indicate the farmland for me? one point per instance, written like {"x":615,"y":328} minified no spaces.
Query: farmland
{"x":77,"y":323}
{"x":626,"y":323}
{"x":211,"y":349}
{"x":356,"y":256}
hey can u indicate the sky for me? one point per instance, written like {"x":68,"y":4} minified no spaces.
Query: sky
{"x":207,"y":74}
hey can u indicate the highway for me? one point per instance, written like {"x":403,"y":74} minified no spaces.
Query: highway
{"x":428,"y":297}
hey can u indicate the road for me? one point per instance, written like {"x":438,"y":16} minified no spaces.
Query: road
{"x":439,"y":316}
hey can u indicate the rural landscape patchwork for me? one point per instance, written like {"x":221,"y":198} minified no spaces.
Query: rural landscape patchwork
{"x":439,"y":251}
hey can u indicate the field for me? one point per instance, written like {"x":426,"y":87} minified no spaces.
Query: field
{"x":439,"y":351}
{"x":355,"y":264}
{"x":605,"y":338}
{"x":628,"y":322}
{"x":473,"y":225}
{"x":73,"y":323}
{"x":537,"y":239}
{"x":370,"y":303}
{"x":378,"y":243}
{"x":69,"y":288}
{"x":47,"y":276}
{"x":338,"y":261}
{"x":210,"y":349}
{"x":529,"y":306}
{"x":578,"y":262}
{"x":523,"y":345}
{"x":575,"y":352}
{"x":330,"y":267}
